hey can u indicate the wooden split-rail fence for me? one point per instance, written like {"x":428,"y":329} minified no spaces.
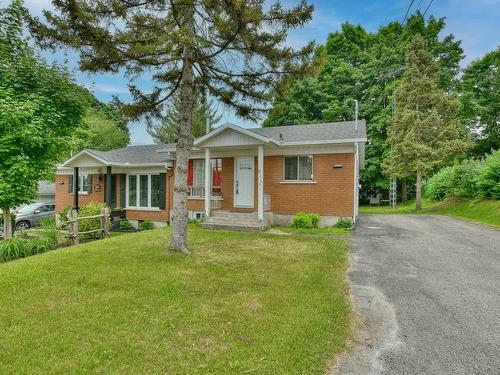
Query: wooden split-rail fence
{"x":73,"y":231}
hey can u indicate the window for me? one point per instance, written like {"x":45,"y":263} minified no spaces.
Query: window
{"x":155,"y":190}
{"x":299,"y":168}
{"x":196,"y":177}
{"x":83,"y":184}
{"x":143,"y":191}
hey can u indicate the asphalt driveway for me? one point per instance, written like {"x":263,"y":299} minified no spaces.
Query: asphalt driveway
{"x":428,"y":289}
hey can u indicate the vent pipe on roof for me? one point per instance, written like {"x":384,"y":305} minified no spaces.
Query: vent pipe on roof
{"x":356,"y":115}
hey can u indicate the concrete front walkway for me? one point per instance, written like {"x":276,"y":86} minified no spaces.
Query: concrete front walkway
{"x":428,"y":289}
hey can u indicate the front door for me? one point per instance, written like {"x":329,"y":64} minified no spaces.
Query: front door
{"x":244,"y":180}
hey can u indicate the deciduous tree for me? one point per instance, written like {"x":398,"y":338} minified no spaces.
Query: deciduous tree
{"x":480,"y":99}
{"x":234,"y":49}
{"x":425,"y":130}
{"x":357,"y":64}
{"x":39,"y":113}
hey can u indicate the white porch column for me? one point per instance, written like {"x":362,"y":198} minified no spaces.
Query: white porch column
{"x":260,"y":183}
{"x":208,"y":190}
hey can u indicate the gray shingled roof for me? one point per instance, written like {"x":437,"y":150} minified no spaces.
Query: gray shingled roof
{"x":46,"y":188}
{"x":143,"y":154}
{"x":330,"y":131}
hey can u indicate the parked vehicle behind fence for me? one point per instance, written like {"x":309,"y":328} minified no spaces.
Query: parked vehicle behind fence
{"x":32,"y":214}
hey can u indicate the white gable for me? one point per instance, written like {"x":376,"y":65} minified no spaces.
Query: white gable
{"x":231,"y":137}
{"x":84,"y":159}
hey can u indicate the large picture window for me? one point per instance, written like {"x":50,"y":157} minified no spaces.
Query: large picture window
{"x":196,"y":177}
{"x":299,"y":168}
{"x":143,"y":191}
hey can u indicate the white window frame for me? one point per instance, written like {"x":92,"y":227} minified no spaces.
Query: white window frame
{"x":298,"y":180}
{"x":80,"y":184}
{"x":136,"y":206}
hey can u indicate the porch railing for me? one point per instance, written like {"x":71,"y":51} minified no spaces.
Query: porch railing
{"x":215,"y":204}
{"x":199,"y":191}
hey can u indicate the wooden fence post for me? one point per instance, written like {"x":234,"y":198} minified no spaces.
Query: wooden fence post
{"x":69,"y":217}
{"x":101,"y":223}
{"x":105,"y":226}
{"x":73,"y":226}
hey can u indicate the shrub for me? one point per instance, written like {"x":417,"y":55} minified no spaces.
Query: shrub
{"x":488,"y":178}
{"x":437,"y":187}
{"x":14,"y":248}
{"x":50,"y":231}
{"x":20,"y":247}
{"x":125,"y":225}
{"x":63,"y":215}
{"x":91,"y":209}
{"x":306,"y":220}
{"x":456,"y":181}
{"x":344,"y":222}
{"x":146,"y":225}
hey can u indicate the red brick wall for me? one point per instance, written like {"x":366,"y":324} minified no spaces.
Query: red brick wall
{"x":331,"y":195}
{"x":64,"y":198}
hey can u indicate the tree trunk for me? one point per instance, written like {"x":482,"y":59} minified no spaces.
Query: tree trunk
{"x":419,"y":191}
{"x":7,"y":223}
{"x":404,"y":190}
{"x":178,"y":241}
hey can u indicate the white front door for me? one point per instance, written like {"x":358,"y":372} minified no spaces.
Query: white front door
{"x":244,"y":181}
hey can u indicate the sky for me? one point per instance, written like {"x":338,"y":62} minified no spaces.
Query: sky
{"x":476,"y":23}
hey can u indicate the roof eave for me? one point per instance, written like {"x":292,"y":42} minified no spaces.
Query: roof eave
{"x":323,"y":142}
{"x":84,"y":152}
{"x":244,"y":131}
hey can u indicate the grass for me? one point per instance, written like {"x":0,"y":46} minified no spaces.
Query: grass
{"x":481,"y":211}
{"x":325,"y":231}
{"x":241,"y":303}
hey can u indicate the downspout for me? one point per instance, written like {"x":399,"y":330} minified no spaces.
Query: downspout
{"x":356,"y":185}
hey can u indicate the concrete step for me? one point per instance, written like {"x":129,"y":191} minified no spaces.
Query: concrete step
{"x":233,"y":227}
{"x":230,"y":220}
{"x":218,"y":213}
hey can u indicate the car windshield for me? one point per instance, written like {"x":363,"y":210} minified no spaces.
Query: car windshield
{"x":27,"y":209}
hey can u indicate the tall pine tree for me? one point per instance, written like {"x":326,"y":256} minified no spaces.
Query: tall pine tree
{"x":234,"y":49}
{"x":167,"y":130}
{"x":425,"y":130}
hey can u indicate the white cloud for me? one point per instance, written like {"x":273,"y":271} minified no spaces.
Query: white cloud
{"x":107,"y":88}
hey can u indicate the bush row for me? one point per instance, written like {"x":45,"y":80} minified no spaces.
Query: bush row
{"x":20,"y":247}
{"x":469,"y":179}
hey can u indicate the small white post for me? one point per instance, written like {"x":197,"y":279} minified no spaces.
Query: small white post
{"x":208,"y":190}
{"x":356,"y":115}
{"x":260,"y":183}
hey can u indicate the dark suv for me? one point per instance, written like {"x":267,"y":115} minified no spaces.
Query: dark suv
{"x":32,"y":214}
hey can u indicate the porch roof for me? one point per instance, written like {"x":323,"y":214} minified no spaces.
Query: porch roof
{"x":142,"y":155}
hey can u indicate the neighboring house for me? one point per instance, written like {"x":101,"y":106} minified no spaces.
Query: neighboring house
{"x":46,"y":192}
{"x":256,"y":177}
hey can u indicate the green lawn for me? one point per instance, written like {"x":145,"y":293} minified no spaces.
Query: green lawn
{"x":483,"y":211}
{"x":242,"y":303}
{"x":325,"y":231}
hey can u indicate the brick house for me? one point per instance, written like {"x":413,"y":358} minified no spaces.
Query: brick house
{"x":255,"y":177}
